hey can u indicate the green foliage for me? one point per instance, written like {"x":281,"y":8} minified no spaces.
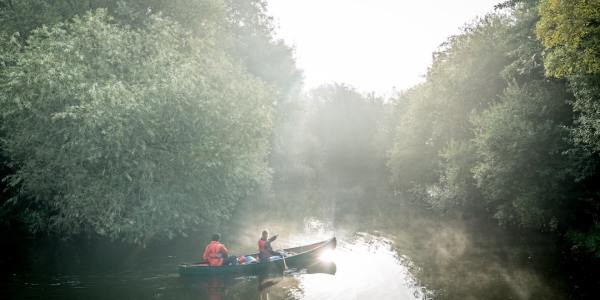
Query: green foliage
{"x":465,"y":76}
{"x":587,"y":92}
{"x":270,"y":59}
{"x":457,"y":187}
{"x":413,"y":158}
{"x":464,"y":79}
{"x":489,"y":133}
{"x":522,"y":171}
{"x":587,"y":241}
{"x":131,"y":133}
{"x":242,"y":28}
{"x":199,"y":16}
{"x":570,"y":32}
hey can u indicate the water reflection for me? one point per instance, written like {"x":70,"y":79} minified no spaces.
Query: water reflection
{"x":396,"y":263}
{"x":215,"y":289}
{"x":367,"y":268}
{"x":283,"y":285}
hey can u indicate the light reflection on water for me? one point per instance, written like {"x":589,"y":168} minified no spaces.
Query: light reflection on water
{"x":367,"y":268}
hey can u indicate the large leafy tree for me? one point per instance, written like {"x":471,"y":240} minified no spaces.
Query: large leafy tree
{"x":521,"y":169}
{"x":570,"y":33}
{"x":130,"y":132}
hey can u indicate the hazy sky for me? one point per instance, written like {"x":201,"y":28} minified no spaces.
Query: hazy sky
{"x":374,"y":45}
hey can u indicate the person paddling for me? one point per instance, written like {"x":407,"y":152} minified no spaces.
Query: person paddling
{"x":215,"y":252}
{"x":265,"y":251}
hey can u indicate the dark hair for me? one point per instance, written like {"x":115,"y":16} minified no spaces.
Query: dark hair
{"x":216,"y":237}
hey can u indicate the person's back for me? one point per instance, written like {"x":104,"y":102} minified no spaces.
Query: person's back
{"x":215,"y":251}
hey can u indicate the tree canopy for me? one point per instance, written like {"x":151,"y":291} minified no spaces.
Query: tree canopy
{"x":570,"y":31}
{"x":136,"y":119}
{"x":489,"y":133}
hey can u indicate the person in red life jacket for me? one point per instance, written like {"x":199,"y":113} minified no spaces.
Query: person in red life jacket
{"x":265,"y":251}
{"x":215,"y":252}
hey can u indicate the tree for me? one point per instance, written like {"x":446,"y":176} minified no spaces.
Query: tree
{"x":331,"y":154}
{"x":464,"y":79}
{"x":570,"y":32}
{"x":130,"y":132}
{"x":587,"y":128}
{"x":522,"y":171}
{"x":243,"y":27}
{"x":413,"y":160}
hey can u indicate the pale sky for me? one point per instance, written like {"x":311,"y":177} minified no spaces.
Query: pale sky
{"x":374,"y":45}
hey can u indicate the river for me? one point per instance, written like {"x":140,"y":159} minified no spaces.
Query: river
{"x":399,"y":258}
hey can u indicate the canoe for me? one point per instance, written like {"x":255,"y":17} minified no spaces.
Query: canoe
{"x":298,"y":257}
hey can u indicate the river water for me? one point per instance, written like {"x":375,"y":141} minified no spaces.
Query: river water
{"x":397,"y":259}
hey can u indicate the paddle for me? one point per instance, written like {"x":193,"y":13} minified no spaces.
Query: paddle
{"x":284,"y":263}
{"x":274,"y":237}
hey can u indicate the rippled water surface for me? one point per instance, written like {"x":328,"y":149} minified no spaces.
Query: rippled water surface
{"x":420,"y":262}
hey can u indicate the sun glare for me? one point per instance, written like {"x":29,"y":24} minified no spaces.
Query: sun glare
{"x":372,"y":45}
{"x":327,"y":256}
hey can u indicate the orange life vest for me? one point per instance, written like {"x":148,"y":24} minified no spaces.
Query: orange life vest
{"x":214,"y":253}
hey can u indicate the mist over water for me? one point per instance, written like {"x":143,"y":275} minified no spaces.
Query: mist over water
{"x":404,"y":256}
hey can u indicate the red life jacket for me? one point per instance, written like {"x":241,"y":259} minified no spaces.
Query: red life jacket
{"x":214,"y":253}
{"x":262,"y":249}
